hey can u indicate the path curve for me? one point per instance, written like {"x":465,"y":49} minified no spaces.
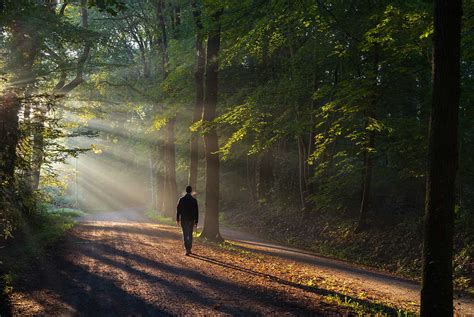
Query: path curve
{"x":121,"y":264}
{"x":400,"y":292}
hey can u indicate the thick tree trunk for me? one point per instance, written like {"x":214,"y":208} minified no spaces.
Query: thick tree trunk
{"x":211,"y":222}
{"x":159,"y":9}
{"x":437,"y":279}
{"x":198,"y":106}
{"x":168,"y":184}
{"x":9,"y":136}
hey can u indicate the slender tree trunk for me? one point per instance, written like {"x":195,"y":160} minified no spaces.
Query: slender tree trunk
{"x":169,"y":186}
{"x":368,"y":152}
{"x":366,"y":183}
{"x":437,"y":279}
{"x":311,"y":168}
{"x":250,"y":171}
{"x":301,"y":173}
{"x":211,"y":221}
{"x":38,"y":148}
{"x":152,"y":179}
{"x":265,"y":174}
{"x":198,"y":106}
{"x":171,"y":190}
{"x":160,"y":178}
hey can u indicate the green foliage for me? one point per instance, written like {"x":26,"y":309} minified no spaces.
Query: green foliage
{"x":311,"y":83}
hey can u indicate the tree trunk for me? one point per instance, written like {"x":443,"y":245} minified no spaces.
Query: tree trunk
{"x":152,"y":174}
{"x":9,"y":136}
{"x":171,"y":190}
{"x":250,"y":171}
{"x":437,"y":279}
{"x":265,"y":175}
{"x":168,"y":183}
{"x":160,"y":178}
{"x":368,"y":152}
{"x":198,"y":106}
{"x":301,"y":171}
{"x":366,"y":183}
{"x":159,"y":8}
{"x":211,"y":146}
{"x":38,"y":148}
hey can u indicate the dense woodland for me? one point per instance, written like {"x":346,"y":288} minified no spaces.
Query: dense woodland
{"x":306,"y":121}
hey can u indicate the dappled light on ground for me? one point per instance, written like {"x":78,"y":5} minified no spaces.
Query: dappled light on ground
{"x":121,"y":264}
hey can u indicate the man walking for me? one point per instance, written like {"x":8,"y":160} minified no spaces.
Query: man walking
{"x":187,"y":215}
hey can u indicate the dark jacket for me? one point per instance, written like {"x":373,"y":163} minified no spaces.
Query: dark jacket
{"x":187,"y":209}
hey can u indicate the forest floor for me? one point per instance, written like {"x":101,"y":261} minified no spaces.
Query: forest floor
{"x":122,"y":264}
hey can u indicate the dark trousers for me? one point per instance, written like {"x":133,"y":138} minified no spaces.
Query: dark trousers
{"x":187,"y":234}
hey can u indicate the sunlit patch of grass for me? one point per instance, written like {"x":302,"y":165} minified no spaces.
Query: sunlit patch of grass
{"x":153,"y":215}
{"x":363,"y":309}
{"x":67,"y":212}
{"x":229,"y":246}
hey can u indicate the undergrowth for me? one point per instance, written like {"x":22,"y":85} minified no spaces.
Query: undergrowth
{"x":31,"y":241}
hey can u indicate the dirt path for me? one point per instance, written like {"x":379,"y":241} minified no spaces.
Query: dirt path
{"x":120,"y":264}
{"x":392,"y":290}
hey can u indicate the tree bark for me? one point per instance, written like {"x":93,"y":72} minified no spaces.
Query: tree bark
{"x":9,"y":136}
{"x":159,"y":8}
{"x":198,"y":106}
{"x":265,"y":174}
{"x":368,"y":152}
{"x":250,"y":171}
{"x":169,"y":186}
{"x":38,"y":148}
{"x":301,"y":171}
{"x":152,"y":180}
{"x":437,"y":279}
{"x":23,"y":53}
{"x":171,"y":190}
{"x":211,"y":146}
{"x":366,"y":183}
{"x":160,"y":178}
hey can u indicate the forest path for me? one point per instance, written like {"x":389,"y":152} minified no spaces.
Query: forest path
{"x":380,"y":286}
{"x":121,"y":264}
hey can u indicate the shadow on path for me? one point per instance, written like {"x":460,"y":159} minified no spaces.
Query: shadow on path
{"x":210,"y":283}
{"x":313,"y":289}
{"x":322,"y":262}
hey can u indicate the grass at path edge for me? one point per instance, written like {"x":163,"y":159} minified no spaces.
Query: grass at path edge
{"x":30,"y":244}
